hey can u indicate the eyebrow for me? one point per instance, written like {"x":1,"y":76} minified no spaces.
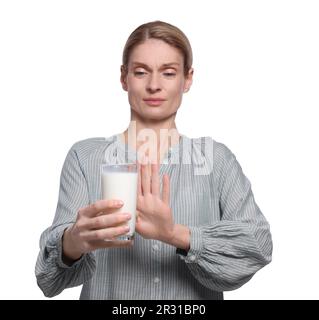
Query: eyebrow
{"x":136,"y":63}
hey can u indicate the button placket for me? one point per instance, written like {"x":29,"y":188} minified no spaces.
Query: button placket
{"x":156,"y":279}
{"x":155,"y":247}
{"x":156,"y":276}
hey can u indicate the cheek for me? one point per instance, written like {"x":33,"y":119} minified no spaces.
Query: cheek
{"x":177,"y":91}
{"x":135,"y":88}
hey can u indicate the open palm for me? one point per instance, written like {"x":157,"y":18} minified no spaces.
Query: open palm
{"x":155,"y":220}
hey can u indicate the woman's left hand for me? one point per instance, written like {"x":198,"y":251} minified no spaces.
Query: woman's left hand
{"x":155,"y":219}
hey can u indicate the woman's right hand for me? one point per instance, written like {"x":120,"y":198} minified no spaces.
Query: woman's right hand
{"x":95,"y":224}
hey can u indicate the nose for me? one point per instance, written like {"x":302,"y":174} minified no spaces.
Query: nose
{"x":153,"y":85}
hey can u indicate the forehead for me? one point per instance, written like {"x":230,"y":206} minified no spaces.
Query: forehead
{"x":155,"y":52}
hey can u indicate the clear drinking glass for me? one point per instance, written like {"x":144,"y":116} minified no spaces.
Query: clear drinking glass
{"x":119,"y":181}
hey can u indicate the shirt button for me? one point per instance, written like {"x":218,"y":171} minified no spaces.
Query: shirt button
{"x":155,"y":247}
{"x":192,"y":258}
{"x":156,"y":280}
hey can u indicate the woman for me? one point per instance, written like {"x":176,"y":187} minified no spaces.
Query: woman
{"x":201,"y":235}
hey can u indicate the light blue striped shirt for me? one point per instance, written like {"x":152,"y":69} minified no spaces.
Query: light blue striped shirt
{"x":230,"y":238}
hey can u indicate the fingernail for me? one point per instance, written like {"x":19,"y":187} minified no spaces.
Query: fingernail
{"x":119,"y":203}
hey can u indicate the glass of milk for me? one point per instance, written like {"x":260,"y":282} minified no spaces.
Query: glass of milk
{"x":119,"y":181}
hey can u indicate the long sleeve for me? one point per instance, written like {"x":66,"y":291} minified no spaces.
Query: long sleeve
{"x":225,"y":255}
{"x":53,"y":276}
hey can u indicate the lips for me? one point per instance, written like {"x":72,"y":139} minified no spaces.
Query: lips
{"x":154,"y":101}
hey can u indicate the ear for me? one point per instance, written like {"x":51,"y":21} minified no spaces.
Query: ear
{"x":123,"y":78}
{"x":188,"y":80}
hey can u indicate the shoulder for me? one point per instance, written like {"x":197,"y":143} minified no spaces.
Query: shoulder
{"x":212,"y":156}
{"x":226,"y":164}
{"x":210,"y":144}
{"x":222,"y":154}
{"x":214,"y":151}
{"x":84,"y":149}
{"x":88,"y":144}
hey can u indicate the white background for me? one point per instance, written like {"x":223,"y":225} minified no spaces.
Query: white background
{"x":255,"y":89}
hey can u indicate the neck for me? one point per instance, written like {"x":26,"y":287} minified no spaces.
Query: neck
{"x":151,"y":137}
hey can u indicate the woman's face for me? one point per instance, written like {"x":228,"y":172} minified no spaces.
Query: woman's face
{"x":155,"y":71}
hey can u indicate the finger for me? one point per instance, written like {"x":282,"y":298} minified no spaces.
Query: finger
{"x":139,"y":183}
{"x":105,"y":234}
{"x":145,"y":178}
{"x":106,"y":221}
{"x":106,"y":206}
{"x":166,"y":189}
{"x":155,"y":180}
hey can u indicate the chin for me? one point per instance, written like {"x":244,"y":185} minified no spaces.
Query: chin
{"x":152,"y":113}
{"x":159,"y":116}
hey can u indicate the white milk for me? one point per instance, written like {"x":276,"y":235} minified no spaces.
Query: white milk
{"x":122,"y":186}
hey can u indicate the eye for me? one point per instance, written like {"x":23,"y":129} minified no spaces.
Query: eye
{"x":139,"y":73}
{"x":169,"y":74}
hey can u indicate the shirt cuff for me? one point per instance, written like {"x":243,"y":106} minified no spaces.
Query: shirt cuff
{"x":196,"y":246}
{"x":59,"y":248}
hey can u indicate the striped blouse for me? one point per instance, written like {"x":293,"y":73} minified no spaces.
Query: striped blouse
{"x":230,"y":238}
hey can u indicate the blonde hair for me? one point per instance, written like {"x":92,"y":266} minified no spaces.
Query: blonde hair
{"x":162,"y":31}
